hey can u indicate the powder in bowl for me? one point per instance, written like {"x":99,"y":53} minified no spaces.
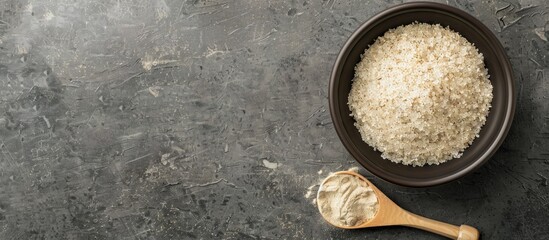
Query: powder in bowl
{"x":420,"y":95}
{"x":345,"y":200}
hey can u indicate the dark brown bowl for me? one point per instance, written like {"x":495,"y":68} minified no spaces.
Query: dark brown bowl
{"x":498,"y":121}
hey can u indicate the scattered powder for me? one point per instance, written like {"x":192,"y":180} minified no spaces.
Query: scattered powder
{"x":166,"y":159}
{"x":48,"y":15}
{"x":346,"y":200}
{"x":420,"y":95}
{"x":271,"y":165}
{"x":161,"y":10}
{"x":155,"y":91}
{"x":310,"y":191}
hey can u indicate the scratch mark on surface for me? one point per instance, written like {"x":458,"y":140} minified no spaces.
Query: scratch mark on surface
{"x":221,"y":4}
{"x":537,"y":63}
{"x":266,"y":36}
{"x":130,"y":136}
{"x":202,"y":13}
{"x":149,"y":63}
{"x":233,"y":31}
{"x":168,"y":184}
{"x":5,"y":23}
{"x":200,"y":39}
{"x":47,"y":121}
{"x":132,"y":229}
{"x":230,"y":18}
{"x":142,"y":232}
{"x":503,"y":8}
{"x":234,"y":185}
{"x":215,"y":50}
{"x":249,"y":25}
{"x":126,"y":149}
{"x":128,"y":79}
{"x":89,"y":119}
{"x":138,"y":158}
{"x":526,"y":9}
{"x":333,"y":2}
{"x":3,"y":146}
{"x":541,"y":33}
{"x":205,"y":184}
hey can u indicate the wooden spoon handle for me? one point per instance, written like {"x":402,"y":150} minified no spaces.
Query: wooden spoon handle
{"x":463,"y":232}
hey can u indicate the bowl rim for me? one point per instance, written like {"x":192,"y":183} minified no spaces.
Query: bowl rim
{"x":501,"y":56}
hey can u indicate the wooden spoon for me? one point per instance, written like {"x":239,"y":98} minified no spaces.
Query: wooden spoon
{"x":390,"y":214}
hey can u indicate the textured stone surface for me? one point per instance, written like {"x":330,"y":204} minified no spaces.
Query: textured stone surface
{"x":209,"y":119}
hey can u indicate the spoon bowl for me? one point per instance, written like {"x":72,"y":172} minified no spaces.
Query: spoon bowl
{"x":390,"y":214}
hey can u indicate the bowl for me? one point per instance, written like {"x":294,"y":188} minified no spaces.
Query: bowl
{"x":492,"y":133}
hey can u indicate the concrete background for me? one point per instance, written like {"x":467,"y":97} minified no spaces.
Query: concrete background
{"x":209,"y":119}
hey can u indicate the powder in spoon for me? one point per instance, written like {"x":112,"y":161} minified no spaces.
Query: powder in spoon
{"x":346,"y":200}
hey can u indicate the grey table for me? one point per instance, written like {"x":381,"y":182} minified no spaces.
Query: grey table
{"x":209,"y":120}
